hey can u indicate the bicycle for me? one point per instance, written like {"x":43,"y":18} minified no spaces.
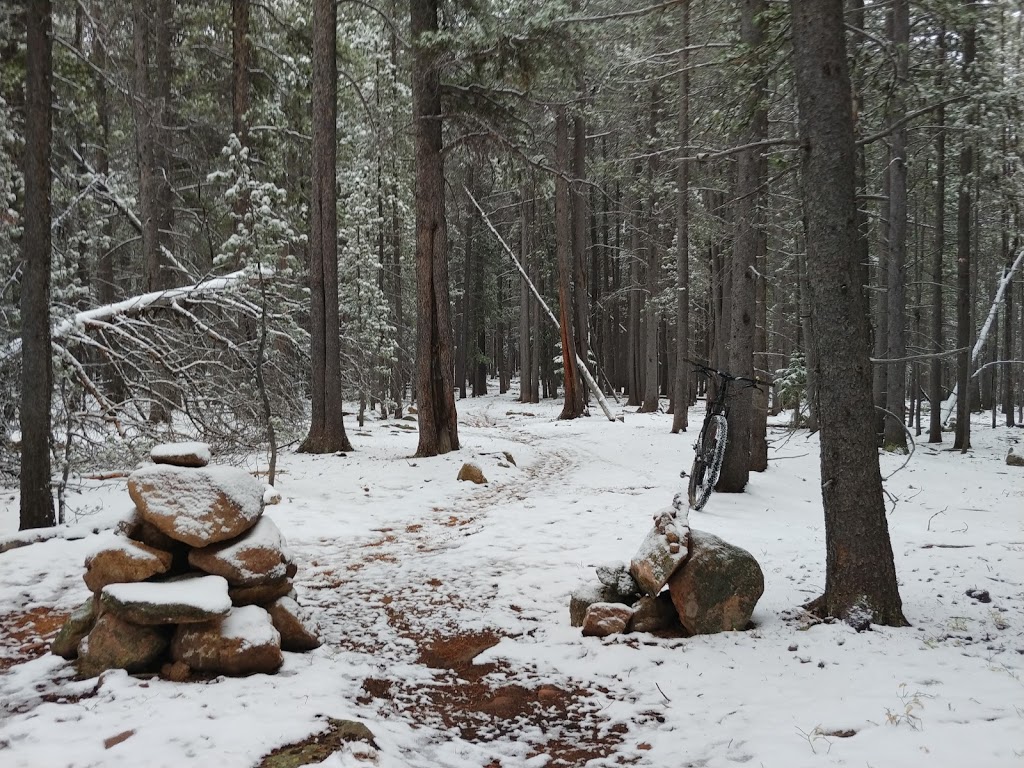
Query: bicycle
{"x":709,"y":450}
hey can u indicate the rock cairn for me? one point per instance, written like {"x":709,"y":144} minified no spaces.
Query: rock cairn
{"x":680,"y":580}
{"x":198,"y":580}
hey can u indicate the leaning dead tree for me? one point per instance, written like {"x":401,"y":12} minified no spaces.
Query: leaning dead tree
{"x":219,"y":354}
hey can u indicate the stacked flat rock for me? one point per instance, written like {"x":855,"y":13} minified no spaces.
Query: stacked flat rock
{"x":680,"y":580}
{"x":197,"y":580}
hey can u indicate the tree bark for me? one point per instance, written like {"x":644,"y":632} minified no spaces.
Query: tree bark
{"x":681,"y":389}
{"x":895,"y":437}
{"x":36,"y":502}
{"x":438,"y":425}
{"x":860,"y":580}
{"x":573,"y":406}
{"x":938,"y":253}
{"x":526,"y":367}
{"x":652,"y":317}
{"x":240,"y":68}
{"x":748,"y":242}
{"x":327,"y":428}
{"x":962,"y":438}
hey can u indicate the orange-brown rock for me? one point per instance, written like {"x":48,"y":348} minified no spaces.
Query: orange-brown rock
{"x":297,"y":628}
{"x":124,"y":561}
{"x":256,"y":557}
{"x":117,"y":644}
{"x":197,"y":506}
{"x":260,"y":594}
{"x":605,"y":619}
{"x":243,"y":643}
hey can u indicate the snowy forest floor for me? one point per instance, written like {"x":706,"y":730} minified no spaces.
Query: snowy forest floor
{"x":444,"y":610}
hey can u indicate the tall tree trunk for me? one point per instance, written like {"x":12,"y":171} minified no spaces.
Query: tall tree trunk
{"x":652,"y":315}
{"x":860,"y":578}
{"x":438,"y":420}
{"x":681,"y":389}
{"x":938,"y":253}
{"x":895,"y":437}
{"x":526,"y":367}
{"x":635,"y":304}
{"x":36,"y":502}
{"x":748,"y":243}
{"x":145,"y":151}
{"x":327,"y":428}
{"x":573,"y":406}
{"x":581,"y":298}
{"x":962,"y":438}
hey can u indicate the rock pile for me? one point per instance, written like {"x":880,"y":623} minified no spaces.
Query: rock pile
{"x":198,"y":580}
{"x":680,"y":578}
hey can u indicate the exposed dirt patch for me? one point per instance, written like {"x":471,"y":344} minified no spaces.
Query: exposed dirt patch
{"x":319,"y":746}
{"x":26,"y":635}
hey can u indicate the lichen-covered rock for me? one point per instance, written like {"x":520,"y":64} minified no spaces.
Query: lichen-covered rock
{"x":652,"y":614}
{"x":299,"y":632}
{"x":117,"y":644}
{"x":242,"y":643}
{"x":77,"y":626}
{"x":124,"y":561}
{"x":182,"y":601}
{"x":472,"y":473}
{"x":718,"y":587}
{"x":260,"y":594}
{"x":197,"y":506}
{"x":181,"y":454}
{"x":605,"y":619}
{"x":255,"y":557}
{"x":619,"y":580}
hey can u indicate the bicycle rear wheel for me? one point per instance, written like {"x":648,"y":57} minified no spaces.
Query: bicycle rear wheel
{"x":707,"y":461}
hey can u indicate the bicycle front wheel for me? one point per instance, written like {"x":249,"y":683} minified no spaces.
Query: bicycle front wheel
{"x":707,"y":461}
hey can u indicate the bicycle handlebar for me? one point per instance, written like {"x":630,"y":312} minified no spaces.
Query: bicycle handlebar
{"x":725,"y":375}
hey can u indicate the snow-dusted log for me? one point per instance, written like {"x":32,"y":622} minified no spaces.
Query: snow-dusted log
{"x":591,"y":384}
{"x":949,"y":404}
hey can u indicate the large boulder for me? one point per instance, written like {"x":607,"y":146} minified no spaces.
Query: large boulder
{"x":181,"y":454}
{"x":256,"y":557}
{"x":605,"y":619}
{"x":117,"y":644}
{"x":182,"y":601}
{"x":663,"y":550}
{"x":125,"y":560}
{"x":197,"y":506}
{"x":243,"y":643}
{"x":718,"y":586}
{"x":77,"y":626}
{"x":299,"y":632}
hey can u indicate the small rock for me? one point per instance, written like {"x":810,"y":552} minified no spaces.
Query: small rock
{"x":981,"y":595}
{"x":271,"y":496}
{"x":117,"y":644}
{"x":181,"y":454}
{"x":298,"y":630}
{"x":137,"y":529}
{"x":509,"y":458}
{"x":616,"y":576}
{"x":124,"y":561}
{"x":1014,"y":459}
{"x":605,"y":619}
{"x":657,"y":559}
{"x":77,"y":626}
{"x":243,"y":643}
{"x":176,"y":671}
{"x":651,"y":614}
{"x":472,"y":473}
{"x":585,"y":596}
{"x":260,"y":594}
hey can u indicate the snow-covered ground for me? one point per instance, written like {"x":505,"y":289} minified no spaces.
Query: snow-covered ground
{"x":444,"y":607}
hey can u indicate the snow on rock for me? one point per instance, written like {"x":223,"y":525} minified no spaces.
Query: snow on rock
{"x":78,"y":625}
{"x":187,"y":600}
{"x":271,"y":496}
{"x":718,"y":587}
{"x":124,"y":560}
{"x":181,"y":454}
{"x":605,"y":619}
{"x":197,"y":506}
{"x":472,"y":473}
{"x":299,"y":632}
{"x":245,"y":642}
{"x":662,"y":551}
{"x":256,"y":557}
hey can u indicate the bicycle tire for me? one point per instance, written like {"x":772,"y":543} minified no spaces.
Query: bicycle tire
{"x":707,"y":460}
